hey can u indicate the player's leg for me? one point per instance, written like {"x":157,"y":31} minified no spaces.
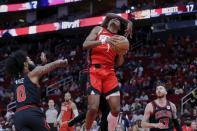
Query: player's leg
{"x":93,"y":91}
{"x":114,"y":102}
{"x":26,"y":129}
{"x":93,"y":105}
{"x":19,"y":120}
{"x":105,"y":109}
{"x":36,"y":121}
{"x":112,"y":93}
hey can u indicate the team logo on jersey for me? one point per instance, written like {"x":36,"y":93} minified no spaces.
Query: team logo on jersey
{"x":103,"y":37}
{"x":168,"y":107}
{"x":64,"y":108}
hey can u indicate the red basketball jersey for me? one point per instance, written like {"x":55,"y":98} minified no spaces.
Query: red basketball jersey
{"x":67,"y":112}
{"x":102,"y":54}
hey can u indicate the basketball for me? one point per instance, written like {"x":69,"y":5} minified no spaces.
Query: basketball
{"x":122,"y":46}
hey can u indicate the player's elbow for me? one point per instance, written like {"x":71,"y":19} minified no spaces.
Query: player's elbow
{"x":85,"y":47}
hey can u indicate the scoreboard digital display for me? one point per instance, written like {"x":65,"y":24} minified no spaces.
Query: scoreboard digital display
{"x":173,"y":10}
{"x":151,"y":13}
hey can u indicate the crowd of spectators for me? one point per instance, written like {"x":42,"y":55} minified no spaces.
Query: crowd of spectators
{"x":173,"y":61}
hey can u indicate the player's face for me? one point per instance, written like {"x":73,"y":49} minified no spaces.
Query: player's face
{"x":67,"y":97}
{"x":161,"y":92}
{"x":51,"y":103}
{"x":115,"y":22}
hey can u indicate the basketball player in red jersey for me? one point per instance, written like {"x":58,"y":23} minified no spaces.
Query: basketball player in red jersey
{"x":101,"y":75}
{"x":68,"y":112}
{"x":160,"y":113}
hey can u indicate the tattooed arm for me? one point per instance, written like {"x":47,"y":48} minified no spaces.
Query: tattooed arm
{"x":175,"y":119}
{"x":39,"y":71}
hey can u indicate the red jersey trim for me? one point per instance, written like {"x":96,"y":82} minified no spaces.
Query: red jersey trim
{"x":25,"y":107}
{"x":161,"y":106}
{"x":153,"y":108}
{"x":171,"y":108}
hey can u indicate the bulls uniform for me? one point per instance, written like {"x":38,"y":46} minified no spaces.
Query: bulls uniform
{"x":28,"y":116}
{"x":163,"y":115}
{"x":67,"y":115}
{"x":101,"y":75}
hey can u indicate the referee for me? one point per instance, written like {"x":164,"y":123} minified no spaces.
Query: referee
{"x":51,"y":115}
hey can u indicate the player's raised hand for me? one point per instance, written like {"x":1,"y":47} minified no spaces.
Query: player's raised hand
{"x":113,"y":39}
{"x":160,"y":126}
{"x":128,"y":31}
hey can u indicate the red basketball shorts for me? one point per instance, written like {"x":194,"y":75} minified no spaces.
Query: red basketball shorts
{"x":101,"y":80}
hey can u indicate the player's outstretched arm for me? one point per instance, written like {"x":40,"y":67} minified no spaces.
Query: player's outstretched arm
{"x":110,"y":16}
{"x":74,"y":108}
{"x":145,"y":119}
{"x":175,"y":120}
{"x":91,"y":41}
{"x":59,"y":118}
{"x":36,"y":73}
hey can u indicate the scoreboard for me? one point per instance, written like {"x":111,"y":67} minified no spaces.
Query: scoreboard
{"x":151,"y":13}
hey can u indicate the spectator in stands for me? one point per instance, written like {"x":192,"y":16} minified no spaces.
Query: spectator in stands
{"x":143,"y":97}
{"x":139,"y":69}
{"x":194,"y":125}
{"x":194,"y":114}
{"x":193,"y":100}
{"x":94,"y":126}
{"x":124,"y":120}
{"x":194,"y":83}
{"x":187,"y":124}
{"x":137,"y":116}
{"x":119,"y":127}
{"x":125,"y":107}
{"x":178,"y":90}
{"x":78,"y":127}
{"x":74,"y":86}
{"x":9,"y":115}
{"x":51,"y":115}
{"x":136,"y":105}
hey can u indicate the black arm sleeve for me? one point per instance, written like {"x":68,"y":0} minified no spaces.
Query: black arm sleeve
{"x":77,"y":119}
{"x":176,"y":124}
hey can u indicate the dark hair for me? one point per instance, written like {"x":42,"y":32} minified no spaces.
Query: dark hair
{"x":122,"y":28}
{"x":15,"y":63}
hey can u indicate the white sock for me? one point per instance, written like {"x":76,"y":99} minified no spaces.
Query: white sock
{"x":112,"y":121}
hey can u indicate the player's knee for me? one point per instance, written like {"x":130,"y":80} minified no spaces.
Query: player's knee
{"x":115,"y":111}
{"x":93,"y":109}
